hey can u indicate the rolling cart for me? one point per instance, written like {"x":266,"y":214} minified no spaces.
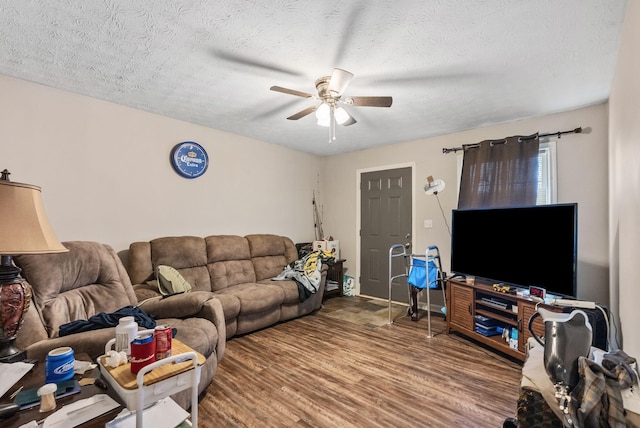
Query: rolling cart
{"x":170,"y":375}
{"x":422,"y":271}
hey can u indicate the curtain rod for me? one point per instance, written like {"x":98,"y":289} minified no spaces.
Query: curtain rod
{"x":559,"y":134}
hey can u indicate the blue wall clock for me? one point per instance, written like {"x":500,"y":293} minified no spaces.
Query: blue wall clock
{"x":189,"y":159}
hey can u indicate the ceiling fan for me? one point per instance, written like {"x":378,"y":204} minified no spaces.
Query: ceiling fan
{"x":330,"y":94}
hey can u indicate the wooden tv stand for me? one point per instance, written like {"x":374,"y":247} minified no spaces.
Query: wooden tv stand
{"x":465,"y":301}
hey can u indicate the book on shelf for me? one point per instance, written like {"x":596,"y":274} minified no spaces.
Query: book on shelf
{"x":495,"y":303}
{"x":331,"y":285}
{"x":488,"y":331}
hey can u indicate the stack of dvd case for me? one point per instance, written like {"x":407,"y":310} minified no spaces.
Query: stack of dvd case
{"x":487,"y":326}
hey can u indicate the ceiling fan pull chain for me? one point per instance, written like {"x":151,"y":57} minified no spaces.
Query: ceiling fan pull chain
{"x":332,"y":125}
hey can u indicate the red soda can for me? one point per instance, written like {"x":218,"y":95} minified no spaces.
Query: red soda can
{"x":142,"y":352}
{"x":162,"y":334}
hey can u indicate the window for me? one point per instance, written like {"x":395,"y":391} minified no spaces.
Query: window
{"x":547,"y":182}
{"x":547,"y":177}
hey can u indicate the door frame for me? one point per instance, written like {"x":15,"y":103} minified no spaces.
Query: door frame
{"x":358,"y":177}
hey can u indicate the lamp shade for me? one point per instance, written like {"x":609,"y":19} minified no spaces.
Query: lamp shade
{"x":24,"y":227}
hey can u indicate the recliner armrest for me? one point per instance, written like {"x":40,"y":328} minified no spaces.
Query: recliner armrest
{"x":89,"y":342}
{"x":212,"y":311}
{"x":201,"y":304}
{"x":176,"y":306}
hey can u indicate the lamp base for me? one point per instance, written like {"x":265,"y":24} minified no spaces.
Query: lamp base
{"x":11,"y":354}
{"x":15,"y":296}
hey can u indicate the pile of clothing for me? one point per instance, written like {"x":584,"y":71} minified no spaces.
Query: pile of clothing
{"x":597,"y":399}
{"x":307,"y":272}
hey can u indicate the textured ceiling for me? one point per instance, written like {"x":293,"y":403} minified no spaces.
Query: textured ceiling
{"x":449,"y":65}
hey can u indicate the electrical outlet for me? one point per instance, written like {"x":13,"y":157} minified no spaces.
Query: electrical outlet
{"x":428,"y":224}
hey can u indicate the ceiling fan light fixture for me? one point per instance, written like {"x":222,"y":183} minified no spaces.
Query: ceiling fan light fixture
{"x":323,"y":122}
{"x":341,"y":115}
{"x":323,"y":114}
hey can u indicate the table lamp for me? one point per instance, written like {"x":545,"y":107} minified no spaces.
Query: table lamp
{"x":24,"y":229}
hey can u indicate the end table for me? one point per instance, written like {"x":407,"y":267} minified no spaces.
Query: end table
{"x":335,"y":273}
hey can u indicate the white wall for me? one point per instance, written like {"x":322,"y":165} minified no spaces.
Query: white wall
{"x":624,"y":182}
{"x":105,"y":173}
{"x":582,"y":178}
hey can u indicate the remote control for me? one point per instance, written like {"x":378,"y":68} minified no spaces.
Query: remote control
{"x":7,"y":410}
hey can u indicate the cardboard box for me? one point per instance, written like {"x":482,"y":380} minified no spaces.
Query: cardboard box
{"x":319,"y":245}
{"x":333,"y":246}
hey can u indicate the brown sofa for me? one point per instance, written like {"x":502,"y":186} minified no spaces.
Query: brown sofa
{"x":91,"y":279}
{"x":237,"y":270}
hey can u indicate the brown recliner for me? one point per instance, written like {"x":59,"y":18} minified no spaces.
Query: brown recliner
{"x":90,"y":279}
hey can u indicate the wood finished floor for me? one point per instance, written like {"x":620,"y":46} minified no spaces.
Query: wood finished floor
{"x":321,"y":371}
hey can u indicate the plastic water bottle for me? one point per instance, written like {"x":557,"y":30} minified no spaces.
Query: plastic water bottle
{"x":126,"y":331}
{"x":513,"y":341}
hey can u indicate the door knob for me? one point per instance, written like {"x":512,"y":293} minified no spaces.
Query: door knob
{"x":407,"y":245}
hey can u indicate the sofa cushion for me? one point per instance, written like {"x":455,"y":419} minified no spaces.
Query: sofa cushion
{"x":87,"y":280}
{"x":270,"y":254}
{"x":198,"y":277}
{"x":229,"y":261}
{"x":142,"y":264}
{"x":139,"y":265}
{"x":254,"y":297}
{"x":231,"y":272}
{"x":289,"y":287}
{"x":187,"y":254}
{"x":230,"y":305}
{"x":178,"y":251}
{"x":227,"y":247}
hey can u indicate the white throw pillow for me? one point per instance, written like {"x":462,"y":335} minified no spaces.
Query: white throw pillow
{"x":170,"y":281}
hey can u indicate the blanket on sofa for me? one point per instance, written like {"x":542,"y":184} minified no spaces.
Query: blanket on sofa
{"x":104,"y":320}
{"x":306,"y":272}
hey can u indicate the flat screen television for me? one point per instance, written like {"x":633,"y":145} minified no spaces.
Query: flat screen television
{"x":523,"y":246}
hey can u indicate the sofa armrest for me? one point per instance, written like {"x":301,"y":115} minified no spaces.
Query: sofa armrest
{"x":212,"y":310}
{"x":90,"y":342}
{"x":324,"y":271}
{"x":177,"y":306}
{"x":201,"y":304}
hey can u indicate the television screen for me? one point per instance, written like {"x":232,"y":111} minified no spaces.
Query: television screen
{"x":521,"y":246}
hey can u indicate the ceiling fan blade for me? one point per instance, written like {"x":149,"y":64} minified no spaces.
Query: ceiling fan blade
{"x":269,"y":110}
{"x":369,"y":101}
{"x":252,"y":63}
{"x":352,"y":23}
{"x":303,"y":113}
{"x":291,"y":92}
{"x":340,"y":79}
